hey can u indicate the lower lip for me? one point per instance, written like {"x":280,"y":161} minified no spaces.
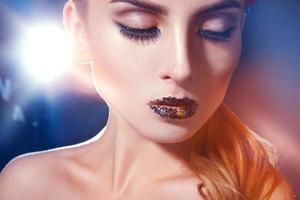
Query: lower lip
{"x":174,"y":112}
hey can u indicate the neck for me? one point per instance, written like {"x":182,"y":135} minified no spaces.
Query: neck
{"x":130,"y":158}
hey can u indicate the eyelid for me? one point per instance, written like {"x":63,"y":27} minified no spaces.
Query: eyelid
{"x":128,"y":28}
{"x":137,"y":20}
{"x":228,"y":18}
{"x":216,"y":24}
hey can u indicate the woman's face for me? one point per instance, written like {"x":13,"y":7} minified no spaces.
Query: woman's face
{"x":184,"y":49}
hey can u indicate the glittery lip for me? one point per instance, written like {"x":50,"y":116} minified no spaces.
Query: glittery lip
{"x":173,"y":108}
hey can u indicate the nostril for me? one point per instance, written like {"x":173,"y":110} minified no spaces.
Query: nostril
{"x":166,"y":77}
{"x":176,"y":80}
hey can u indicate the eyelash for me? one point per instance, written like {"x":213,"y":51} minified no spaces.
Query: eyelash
{"x":217,"y":36}
{"x":151,"y":34}
{"x":140,"y":35}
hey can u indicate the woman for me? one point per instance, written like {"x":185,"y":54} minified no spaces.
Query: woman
{"x":163,"y":68}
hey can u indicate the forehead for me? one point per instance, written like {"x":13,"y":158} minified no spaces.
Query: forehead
{"x":171,"y":2}
{"x":179,"y":6}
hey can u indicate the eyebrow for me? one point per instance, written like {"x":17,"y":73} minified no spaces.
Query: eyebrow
{"x":159,"y":9}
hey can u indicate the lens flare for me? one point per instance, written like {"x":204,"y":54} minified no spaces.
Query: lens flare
{"x":46,"y":53}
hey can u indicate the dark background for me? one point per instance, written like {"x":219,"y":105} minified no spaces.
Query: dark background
{"x":264,"y":91}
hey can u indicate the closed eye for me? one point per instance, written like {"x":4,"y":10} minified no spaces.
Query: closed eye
{"x":217,"y":36}
{"x":139,"y":35}
{"x":151,"y":34}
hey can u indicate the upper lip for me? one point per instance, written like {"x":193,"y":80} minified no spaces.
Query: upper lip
{"x":173,"y":101}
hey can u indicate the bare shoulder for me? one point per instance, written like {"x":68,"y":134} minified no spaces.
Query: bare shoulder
{"x":34,"y":175}
{"x":20,"y":175}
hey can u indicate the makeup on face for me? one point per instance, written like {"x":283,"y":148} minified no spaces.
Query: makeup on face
{"x":218,"y":27}
{"x":174,"y":108}
{"x":211,"y":24}
{"x":141,"y":26}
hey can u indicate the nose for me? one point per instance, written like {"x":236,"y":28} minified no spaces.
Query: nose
{"x":178,"y":59}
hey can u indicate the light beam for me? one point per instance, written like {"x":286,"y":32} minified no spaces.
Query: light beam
{"x":46,"y":53}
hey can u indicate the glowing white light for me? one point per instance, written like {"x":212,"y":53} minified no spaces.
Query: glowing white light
{"x":46,"y":52}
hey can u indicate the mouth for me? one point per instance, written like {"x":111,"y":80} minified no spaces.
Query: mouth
{"x":174,"y":108}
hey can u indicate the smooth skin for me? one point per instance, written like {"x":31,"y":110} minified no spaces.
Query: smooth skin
{"x":138,"y":155}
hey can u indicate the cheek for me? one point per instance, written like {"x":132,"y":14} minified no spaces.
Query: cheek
{"x":220,"y":61}
{"x":223,"y":59}
{"x":119,"y":68}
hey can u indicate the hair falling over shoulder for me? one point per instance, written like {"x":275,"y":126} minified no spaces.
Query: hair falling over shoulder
{"x":233,"y":162}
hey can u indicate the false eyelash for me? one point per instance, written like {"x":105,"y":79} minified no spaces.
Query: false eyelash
{"x":140,"y":35}
{"x":151,"y":34}
{"x":217,"y":36}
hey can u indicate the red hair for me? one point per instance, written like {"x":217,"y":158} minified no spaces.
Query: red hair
{"x":233,"y":162}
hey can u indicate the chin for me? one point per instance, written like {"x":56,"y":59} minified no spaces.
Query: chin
{"x":168,"y":133}
{"x":159,"y":130}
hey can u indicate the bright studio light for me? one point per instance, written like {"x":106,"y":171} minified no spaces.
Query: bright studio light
{"x":46,"y":52}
